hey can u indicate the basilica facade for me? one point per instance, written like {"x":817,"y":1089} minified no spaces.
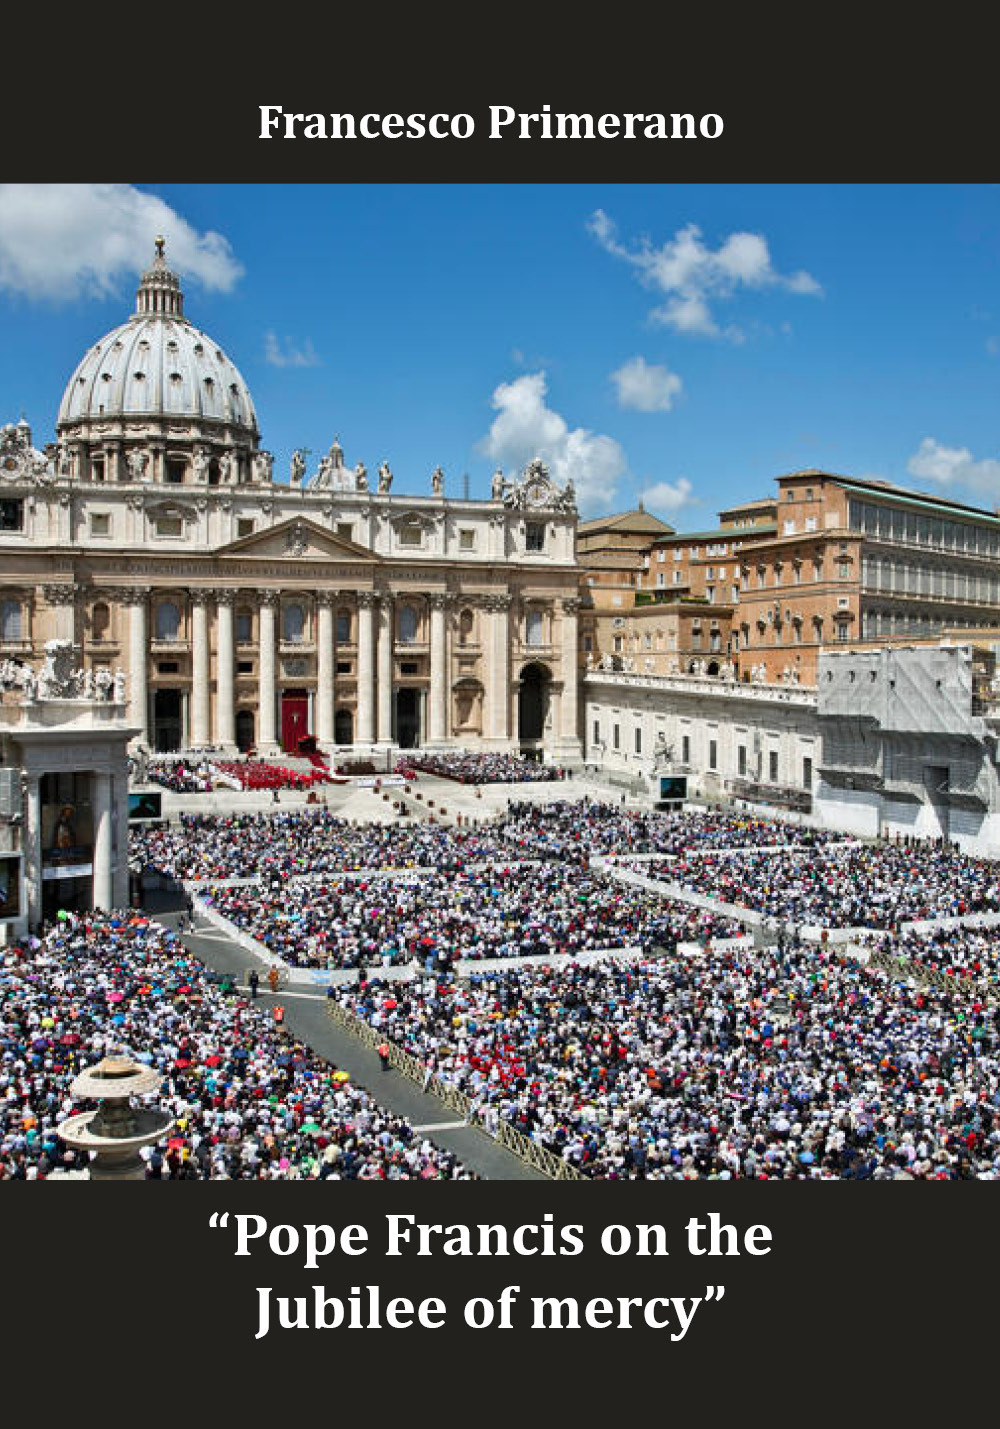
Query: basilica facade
{"x":252,"y":613}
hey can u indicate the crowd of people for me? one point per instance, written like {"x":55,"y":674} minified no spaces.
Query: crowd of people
{"x":180,"y":777}
{"x":773,"y":1064}
{"x":565,"y":828}
{"x":468,"y":768}
{"x":208,"y":846}
{"x":493,"y":911}
{"x":968,"y":954}
{"x":842,"y":886}
{"x":205,"y":846}
{"x":248,"y":1101}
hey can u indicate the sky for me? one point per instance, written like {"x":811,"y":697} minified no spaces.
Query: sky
{"x":678,"y":345}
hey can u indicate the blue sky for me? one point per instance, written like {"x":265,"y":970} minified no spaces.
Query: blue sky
{"x":684,"y":344}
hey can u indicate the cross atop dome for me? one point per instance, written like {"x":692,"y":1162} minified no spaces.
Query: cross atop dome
{"x":160,"y":290}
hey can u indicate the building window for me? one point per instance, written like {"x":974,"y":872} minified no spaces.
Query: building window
{"x":175,"y":470}
{"x":244,"y":627}
{"x":597,"y":731}
{"x":343,"y":631}
{"x":843,"y":570}
{"x":713,"y":754}
{"x":686,"y":749}
{"x":168,"y":621}
{"x":773,"y":766}
{"x":741,"y":760}
{"x":533,"y":628}
{"x":466,"y":539}
{"x":294,"y":624}
{"x":168,"y":667}
{"x":100,"y":524}
{"x":807,"y":773}
{"x":343,"y":668}
{"x":244,"y":667}
{"x":12,"y":515}
{"x":169,"y":526}
{"x":411,"y":536}
{"x":100,"y":621}
{"x":638,"y":741}
{"x":346,"y":532}
{"x":407,"y":625}
{"x":245,"y":526}
{"x":10,"y":620}
{"x":618,"y":644}
{"x":616,"y":736}
{"x":534,"y":536}
{"x":409,"y":667}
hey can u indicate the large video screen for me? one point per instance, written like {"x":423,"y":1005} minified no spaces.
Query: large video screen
{"x":145,"y":806}
{"x":673,"y":786}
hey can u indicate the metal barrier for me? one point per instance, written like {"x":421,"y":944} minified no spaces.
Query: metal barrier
{"x":528,"y":1151}
{"x":930,"y":977}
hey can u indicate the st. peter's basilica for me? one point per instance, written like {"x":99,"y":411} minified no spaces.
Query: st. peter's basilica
{"x":248,"y":612}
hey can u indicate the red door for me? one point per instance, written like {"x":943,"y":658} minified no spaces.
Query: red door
{"x":294,"y":719}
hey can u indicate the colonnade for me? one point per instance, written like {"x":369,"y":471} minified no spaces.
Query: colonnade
{"x":374,"y":651}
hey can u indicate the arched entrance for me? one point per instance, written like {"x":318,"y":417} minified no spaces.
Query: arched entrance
{"x":244,"y":730}
{"x":166,"y":721}
{"x":407,"y":718}
{"x":343,"y":727}
{"x":294,"y":718}
{"x":533,"y":702}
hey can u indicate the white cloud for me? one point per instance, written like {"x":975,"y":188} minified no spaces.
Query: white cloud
{"x":646,"y":387}
{"x":525,"y":427}
{"x":66,"y":241}
{"x":954,"y":466}
{"x":692,"y":277}
{"x":667,"y":496}
{"x":289,"y":355}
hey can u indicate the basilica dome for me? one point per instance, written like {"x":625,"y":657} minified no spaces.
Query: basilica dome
{"x":158,"y":365}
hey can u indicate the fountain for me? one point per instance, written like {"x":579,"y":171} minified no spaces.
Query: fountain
{"x":117,"y":1130}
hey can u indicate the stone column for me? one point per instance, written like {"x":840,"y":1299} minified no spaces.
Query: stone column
{"x":568,"y":729}
{"x":266,"y":742}
{"x":33,"y":847}
{"x":225,"y":699}
{"x":63,"y":599}
{"x":326,"y":601}
{"x":386,"y":615}
{"x":498,"y":669}
{"x":119,"y":823}
{"x":136,"y":598}
{"x":364,"y":732}
{"x":438,"y":732}
{"x":200,"y":668}
{"x":103,"y":864}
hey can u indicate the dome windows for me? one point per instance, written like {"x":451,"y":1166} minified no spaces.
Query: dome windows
{"x":151,"y":365}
